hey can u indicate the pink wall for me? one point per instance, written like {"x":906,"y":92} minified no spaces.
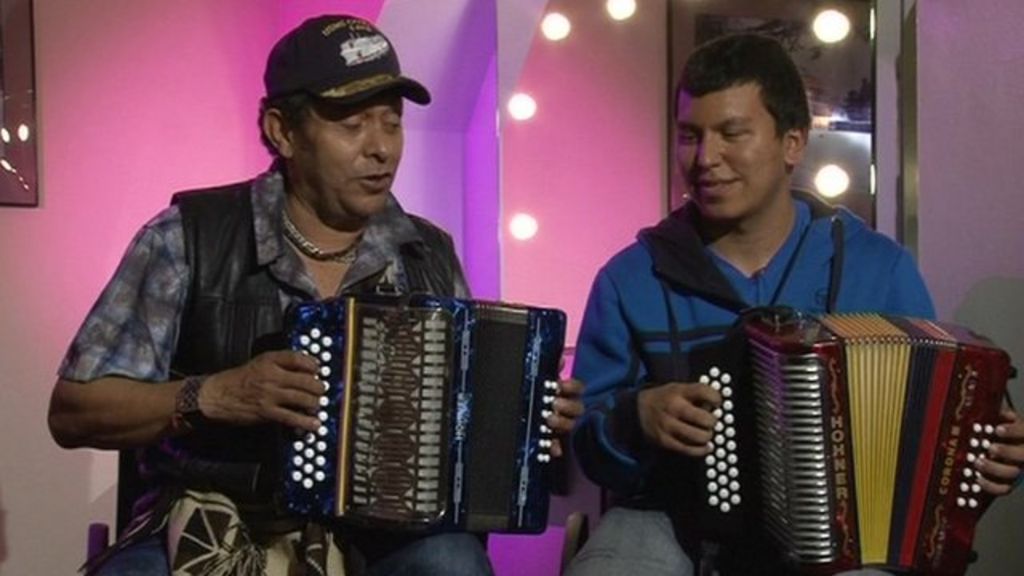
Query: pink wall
{"x":590,"y":165}
{"x":971,"y":88}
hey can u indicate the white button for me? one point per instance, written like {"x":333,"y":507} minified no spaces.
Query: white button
{"x":975,"y":488}
{"x":974,"y":442}
{"x":977,"y":427}
{"x":325,"y":357}
{"x":730,"y":445}
{"x":725,"y":507}
{"x":713,"y":500}
{"x":735,"y":499}
{"x":297,"y":460}
{"x":990,"y":429}
{"x":315,"y":333}
{"x":964,"y":487}
{"x":304,"y":340}
{"x":297,"y":476}
{"x":961,"y":502}
{"x":726,"y":378}
{"x":324,"y":401}
{"x":731,"y":459}
{"x":322,"y":430}
{"x":321,"y":446}
{"x":709,"y":459}
{"x":320,"y":460}
{"x":727,"y":405}
{"x":729,"y":418}
{"x":716,"y":385}
{"x":968,"y":472}
{"x":307,"y":483}
{"x":325,"y":371}
{"x":704,"y":379}
{"x":972,"y":503}
{"x":717,"y":412}
{"x":986,"y":443}
{"x":327,"y":340}
{"x":319,"y":475}
{"x":727,"y":392}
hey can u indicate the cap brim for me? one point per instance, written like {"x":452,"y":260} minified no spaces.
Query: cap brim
{"x":405,"y":87}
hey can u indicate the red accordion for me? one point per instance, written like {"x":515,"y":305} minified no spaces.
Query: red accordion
{"x":866,"y":429}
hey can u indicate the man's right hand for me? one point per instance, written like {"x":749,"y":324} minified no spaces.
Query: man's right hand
{"x":278,"y":386}
{"x":678,"y":416}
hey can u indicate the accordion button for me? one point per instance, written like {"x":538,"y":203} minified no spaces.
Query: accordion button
{"x":733,"y":472}
{"x":298,"y":445}
{"x":986,"y":443}
{"x":704,"y":379}
{"x":719,"y":426}
{"x":723,"y":493}
{"x":972,"y":503}
{"x":718,"y":412}
{"x":989,"y":429}
{"x":321,"y":446}
{"x":735,"y":486}
{"x":307,"y":483}
{"x":735,"y":499}
{"x":322,"y":430}
{"x":711,"y":474}
{"x":730,"y":445}
{"x":309,"y":438}
{"x":976,"y":488}
{"x":726,"y":378}
{"x":709,"y":459}
{"x":977,"y":428}
{"x":730,"y":432}
{"x":320,"y":461}
{"x":326,"y":341}
{"x":974,"y":442}
{"x":714,"y":372}
{"x":319,"y":476}
{"x":315,"y":333}
{"x":716,"y":385}
{"x":324,"y":401}
{"x":971,"y":457}
{"x":307,"y":468}
{"x":965,"y":487}
{"x":314,"y":348}
{"x":720,"y":452}
{"x":309,"y":453}
{"x":727,"y":392}
{"x":325,"y":357}
{"x":725,"y":507}
{"x":322,"y":416}
{"x":304,"y":340}
{"x":297,"y":476}
{"x":297,"y":460}
{"x":721,"y":466}
{"x":713,"y":500}
{"x":729,"y":418}
{"x":731,"y":459}
{"x":961,"y":502}
{"x":968,"y":472}
{"x":325,"y":371}
{"x":727,"y":405}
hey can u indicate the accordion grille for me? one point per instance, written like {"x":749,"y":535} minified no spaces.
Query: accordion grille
{"x":398,"y":460}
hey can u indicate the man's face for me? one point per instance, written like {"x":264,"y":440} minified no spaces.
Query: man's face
{"x":343,"y":159}
{"x":735,"y":165}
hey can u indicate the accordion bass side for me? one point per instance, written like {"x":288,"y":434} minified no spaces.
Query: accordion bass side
{"x":433,"y":414}
{"x":869,"y":428}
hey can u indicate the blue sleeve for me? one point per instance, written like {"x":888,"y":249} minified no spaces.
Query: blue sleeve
{"x":908,"y":295}
{"x":608,"y":441}
{"x":132,"y":328}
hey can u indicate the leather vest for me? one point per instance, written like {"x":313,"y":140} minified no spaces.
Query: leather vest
{"x":233,"y":313}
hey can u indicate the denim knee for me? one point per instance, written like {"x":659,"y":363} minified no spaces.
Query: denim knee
{"x":147,"y":558}
{"x":439,"y":555}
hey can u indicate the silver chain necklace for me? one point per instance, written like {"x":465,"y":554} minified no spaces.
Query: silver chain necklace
{"x":346,"y":255}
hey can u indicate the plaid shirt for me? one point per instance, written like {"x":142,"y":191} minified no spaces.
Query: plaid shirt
{"x":132,"y":329}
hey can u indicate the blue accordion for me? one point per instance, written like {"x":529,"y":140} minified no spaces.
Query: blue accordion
{"x":433,"y":413}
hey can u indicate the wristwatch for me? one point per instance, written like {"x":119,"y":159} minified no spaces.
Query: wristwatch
{"x":187,"y":415}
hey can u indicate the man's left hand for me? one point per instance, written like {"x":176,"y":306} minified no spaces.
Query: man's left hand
{"x":1002,"y":468}
{"x":568,"y":406}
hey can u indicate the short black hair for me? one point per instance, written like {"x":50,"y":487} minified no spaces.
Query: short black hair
{"x":738,"y":59}
{"x":294,"y":109}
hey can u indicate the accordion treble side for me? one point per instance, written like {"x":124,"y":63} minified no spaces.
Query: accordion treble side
{"x":868,"y":428}
{"x":433,"y":413}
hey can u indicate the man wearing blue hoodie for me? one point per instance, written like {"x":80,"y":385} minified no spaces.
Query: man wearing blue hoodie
{"x":744,"y":239}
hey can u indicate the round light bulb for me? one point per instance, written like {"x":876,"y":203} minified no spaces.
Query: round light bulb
{"x":831,"y":181}
{"x":521,"y":106}
{"x":555,"y":26}
{"x":620,"y":9}
{"x":522,"y":226}
{"x":831,"y":26}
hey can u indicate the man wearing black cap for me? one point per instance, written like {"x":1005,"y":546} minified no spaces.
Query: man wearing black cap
{"x":169,"y":359}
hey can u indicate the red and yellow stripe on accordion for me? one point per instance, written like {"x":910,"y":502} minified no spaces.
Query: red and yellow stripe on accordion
{"x":875,"y":424}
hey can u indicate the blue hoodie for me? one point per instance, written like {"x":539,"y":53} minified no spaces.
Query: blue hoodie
{"x":665,"y":294}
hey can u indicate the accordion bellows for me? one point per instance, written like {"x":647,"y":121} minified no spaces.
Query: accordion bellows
{"x":433,"y":413}
{"x":868,"y":429}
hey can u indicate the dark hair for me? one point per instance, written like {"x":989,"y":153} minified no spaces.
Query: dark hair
{"x":294,"y":109}
{"x":739,"y":59}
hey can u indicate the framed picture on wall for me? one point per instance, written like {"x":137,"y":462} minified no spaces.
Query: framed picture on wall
{"x":18,"y":136}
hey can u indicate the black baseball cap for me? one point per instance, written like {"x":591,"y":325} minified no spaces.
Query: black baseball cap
{"x":341,"y":57}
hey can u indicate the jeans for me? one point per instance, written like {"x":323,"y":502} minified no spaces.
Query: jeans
{"x":633,"y":542}
{"x":440,"y":555}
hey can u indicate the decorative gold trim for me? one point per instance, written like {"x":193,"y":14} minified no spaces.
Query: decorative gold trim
{"x":357,"y":86}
